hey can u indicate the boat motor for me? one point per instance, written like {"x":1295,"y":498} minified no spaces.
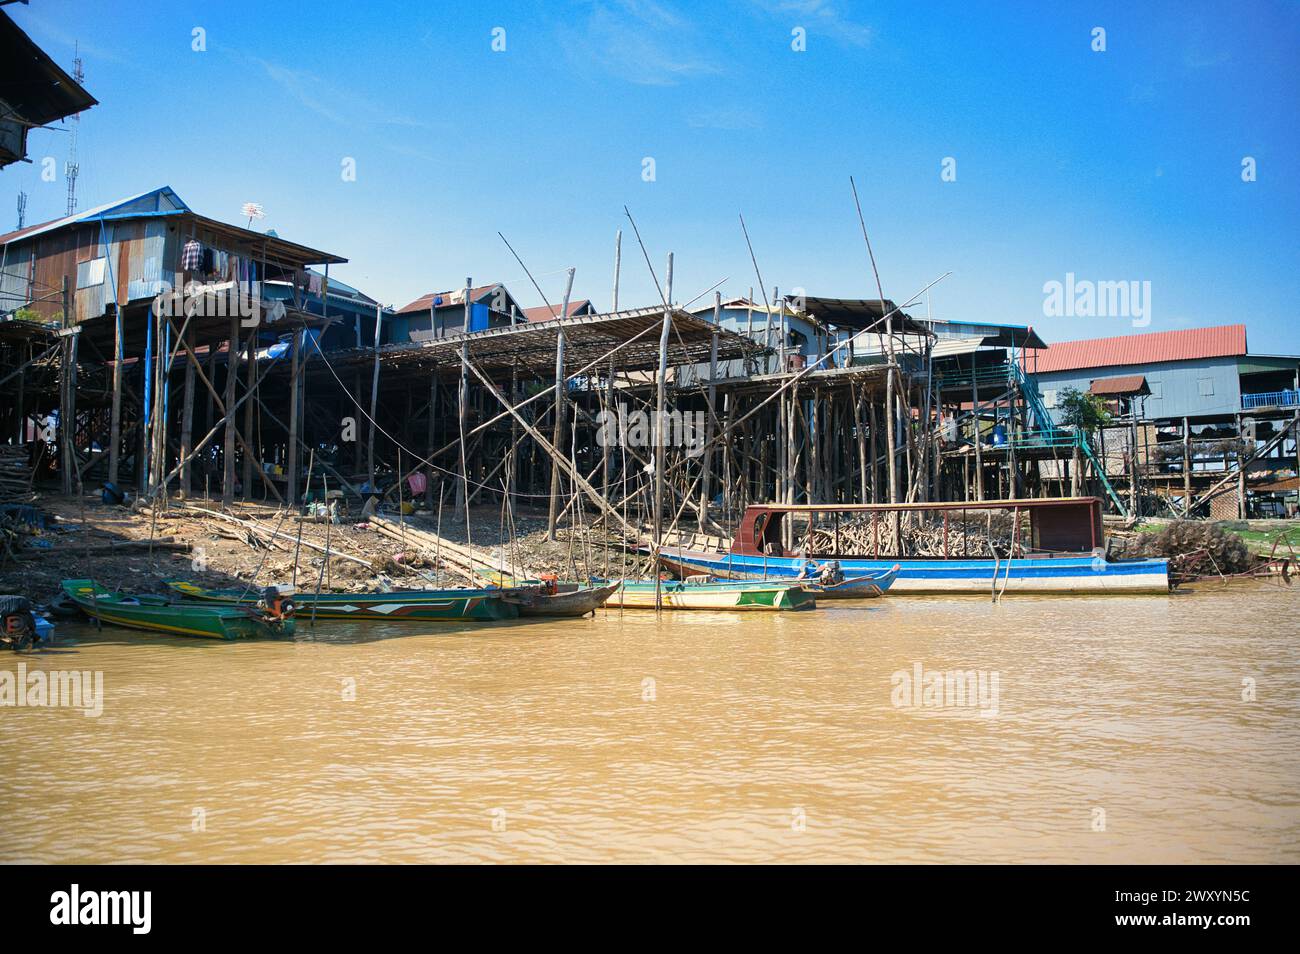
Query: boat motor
{"x":277,"y":601}
{"x":17,"y":623}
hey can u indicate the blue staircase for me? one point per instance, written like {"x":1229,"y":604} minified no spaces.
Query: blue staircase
{"x":1049,"y":434}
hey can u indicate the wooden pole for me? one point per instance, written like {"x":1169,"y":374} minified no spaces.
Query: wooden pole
{"x":228,"y":448}
{"x":249,"y":407}
{"x":291,"y":453}
{"x":374,"y":399}
{"x":115,"y":420}
{"x":433,"y":423}
{"x":661,"y":387}
{"x":710,"y":454}
{"x":187,"y":417}
{"x":68,"y":401}
{"x":618,"y":261}
{"x":557,"y":434}
{"x":462,"y":489}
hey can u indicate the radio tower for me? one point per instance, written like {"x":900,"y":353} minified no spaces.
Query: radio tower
{"x":73,"y":167}
{"x":22,"y":208}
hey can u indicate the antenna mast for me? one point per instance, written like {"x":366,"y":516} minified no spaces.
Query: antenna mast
{"x":22,"y":208}
{"x":73,"y":167}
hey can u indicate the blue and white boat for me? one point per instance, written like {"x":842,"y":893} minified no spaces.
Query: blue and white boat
{"x":1063,"y":554}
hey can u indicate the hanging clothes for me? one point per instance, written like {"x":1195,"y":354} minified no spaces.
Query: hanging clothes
{"x":191,"y":255}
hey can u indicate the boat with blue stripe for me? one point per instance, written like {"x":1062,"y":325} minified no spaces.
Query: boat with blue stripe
{"x":1056,"y":547}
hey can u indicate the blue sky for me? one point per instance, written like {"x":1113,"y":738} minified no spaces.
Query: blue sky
{"x":1122,"y":165}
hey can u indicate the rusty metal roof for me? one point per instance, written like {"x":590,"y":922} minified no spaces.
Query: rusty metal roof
{"x":1123,"y":384}
{"x":455,"y":296}
{"x":544,"y":313}
{"x":1161,"y":346}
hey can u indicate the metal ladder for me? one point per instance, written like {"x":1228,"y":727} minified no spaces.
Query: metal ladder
{"x":1043,"y":417}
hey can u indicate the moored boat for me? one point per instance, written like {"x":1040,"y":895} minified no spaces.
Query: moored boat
{"x":864,"y":586}
{"x":737,"y":595}
{"x":399,"y":605}
{"x":1063,"y":552}
{"x":163,"y":615}
{"x":577,"y":600}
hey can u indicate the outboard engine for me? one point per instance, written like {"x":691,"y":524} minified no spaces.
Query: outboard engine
{"x":277,"y":602}
{"x":17,"y":623}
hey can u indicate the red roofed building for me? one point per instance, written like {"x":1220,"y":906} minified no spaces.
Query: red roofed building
{"x":1189,"y":344}
{"x":1196,"y":373}
{"x":439,"y":314}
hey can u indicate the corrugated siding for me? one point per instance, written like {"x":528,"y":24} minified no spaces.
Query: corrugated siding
{"x":1175,"y":387}
{"x":90,"y":296}
{"x":15,"y":279}
{"x":145,"y":261}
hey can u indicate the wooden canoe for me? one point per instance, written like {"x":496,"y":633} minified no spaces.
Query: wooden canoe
{"x":864,"y":586}
{"x":160,"y":614}
{"x":399,"y":605}
{"x":577,"y":601}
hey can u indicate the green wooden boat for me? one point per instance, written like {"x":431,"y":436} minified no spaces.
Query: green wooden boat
{"x":738,"y":595}
{"x":399,"y":605}
{"x":161,"y":614}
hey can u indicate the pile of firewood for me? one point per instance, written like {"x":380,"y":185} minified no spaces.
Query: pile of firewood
{"x":978,"y":535}
{"x":15,"y":473}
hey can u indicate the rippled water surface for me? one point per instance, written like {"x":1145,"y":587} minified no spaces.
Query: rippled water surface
{"x":695,"y":737}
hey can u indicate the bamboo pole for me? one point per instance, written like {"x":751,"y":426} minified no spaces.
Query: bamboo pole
{"x":557,"y":434}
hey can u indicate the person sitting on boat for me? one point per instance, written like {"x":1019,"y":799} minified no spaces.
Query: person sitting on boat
{"x":808,"y":569}
{"x":830,"y":573}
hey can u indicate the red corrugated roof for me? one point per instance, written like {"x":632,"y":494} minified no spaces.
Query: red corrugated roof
{"x":544,"y":313}
{"x":1189,"y":344}
{"x":453,"y":297}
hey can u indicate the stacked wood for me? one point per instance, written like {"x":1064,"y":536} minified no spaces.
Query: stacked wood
{"x":268,"y":536}
{"x":15,"y":473}
{"x":467,"y":562}
{"x":922,"y":535}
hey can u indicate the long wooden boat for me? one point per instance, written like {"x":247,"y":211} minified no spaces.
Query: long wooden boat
{"x":163,"y":615}
{"x":865,"y":586}
{"x":1063,"y":554}
{"x":570,"y":602}
{"x":399,"y":605}
{"x":737,"y":595}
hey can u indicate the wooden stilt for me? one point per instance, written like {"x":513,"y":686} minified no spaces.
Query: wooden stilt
{"x":187,"y":417}
{"x":228,"y":447}
{"x":557,"y":435}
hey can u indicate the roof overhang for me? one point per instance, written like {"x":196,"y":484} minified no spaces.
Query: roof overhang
{"x":861,"y":314}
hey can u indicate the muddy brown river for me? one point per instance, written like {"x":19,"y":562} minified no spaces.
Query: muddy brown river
{"x":1122,"y":729}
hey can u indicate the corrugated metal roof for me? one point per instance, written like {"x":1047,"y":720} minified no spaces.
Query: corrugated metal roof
{"x":543,"y":313}
{"x":453,"y":297}
{"x":165,"y":197}
{"x":1123,"y":384}
{"x":1184,"y":345}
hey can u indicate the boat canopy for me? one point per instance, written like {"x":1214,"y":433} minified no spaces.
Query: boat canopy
{"x":1059,"y":524}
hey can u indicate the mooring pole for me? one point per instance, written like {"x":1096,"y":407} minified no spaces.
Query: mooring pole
{"x":660,"y":445}
{"x":557,"y":435}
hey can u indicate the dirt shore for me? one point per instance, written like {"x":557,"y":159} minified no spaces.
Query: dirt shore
{"x":136,"y":549}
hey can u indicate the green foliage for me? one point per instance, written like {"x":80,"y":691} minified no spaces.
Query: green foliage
{"x":1083,"y":411}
